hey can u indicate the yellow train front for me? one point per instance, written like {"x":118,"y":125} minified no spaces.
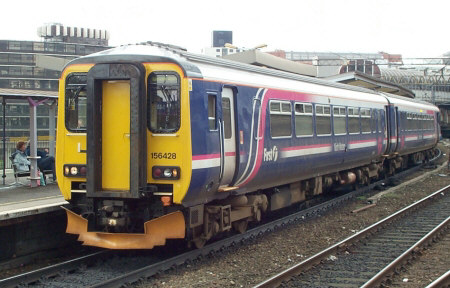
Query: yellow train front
{"x":127,"y":170}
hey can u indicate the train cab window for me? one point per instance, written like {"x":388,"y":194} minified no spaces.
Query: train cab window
{"x":163,"y":102}
{"x":339,"y":121}
{"x":365,"y":120}
{"x":353,"y":120}
{"x":303,"y":119}
{"x":75,"y":104}
{"x":212,"y":112}
{"x":323,"y":120}
{"x":280,"y":119}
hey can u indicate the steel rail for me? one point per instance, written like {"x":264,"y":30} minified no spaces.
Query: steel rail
{"x":443,"y":281}
{"x":278,"y":279}
{"x":391,"y":267}
{"x":35,"y":275}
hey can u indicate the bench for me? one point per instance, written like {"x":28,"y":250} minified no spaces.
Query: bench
{"x":18,"y":173}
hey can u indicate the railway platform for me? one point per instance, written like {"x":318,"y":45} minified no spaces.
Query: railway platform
{"x":21,"y":200}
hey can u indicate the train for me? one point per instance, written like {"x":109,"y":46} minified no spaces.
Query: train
{"x":156,"y":143}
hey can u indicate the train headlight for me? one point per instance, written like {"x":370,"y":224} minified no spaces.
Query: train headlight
{"x":164,"y":172}
{"x":167,"y":173}
{"x":75,"y":170}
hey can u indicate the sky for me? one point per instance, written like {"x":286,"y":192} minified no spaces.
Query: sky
{"x":411,"y":28}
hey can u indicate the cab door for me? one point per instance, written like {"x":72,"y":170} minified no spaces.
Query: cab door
{"x":228,"y":135}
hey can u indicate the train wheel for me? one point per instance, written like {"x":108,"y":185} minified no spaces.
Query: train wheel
{"x":199,"y":242}
{"x":240,"y":226}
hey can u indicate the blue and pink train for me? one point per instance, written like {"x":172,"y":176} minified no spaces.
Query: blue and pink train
{"x":212,"y":145}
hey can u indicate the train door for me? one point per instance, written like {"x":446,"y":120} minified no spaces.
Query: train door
{"x":228,"y":135}
{"x":395,"y":139}
{"x":116,"y":131}
{"x":116,"y":135}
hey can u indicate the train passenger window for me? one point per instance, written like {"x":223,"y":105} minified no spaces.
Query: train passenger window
{"x":226,"y":114}
{"x":339,"y":121}
{"x":164,"y":105}
{"x":323,"y":120}
{"x":365,"y":120}
{"x":353,"y":120}
{"x":303,"y":119}
{"x":212,"y":112}
{"x":280,"y":119}
{"x":416,"y":122}
{"x":75,"y":104}
{"x":373,"y":123}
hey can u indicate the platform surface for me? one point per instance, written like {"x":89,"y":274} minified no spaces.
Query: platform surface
{"x":22,"y":200}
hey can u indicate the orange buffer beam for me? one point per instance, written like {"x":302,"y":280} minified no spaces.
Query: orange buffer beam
{"x":170,"y":226}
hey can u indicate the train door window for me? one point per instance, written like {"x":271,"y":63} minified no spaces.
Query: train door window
{"x":164,"y":105}
{"x":226,"y":113}
{"x":339,"y":121}
{"x":75,"y":102}
{"x":212,"y":112}
{"x":353,"y":120}
{"x":365,"y":120}
{"x":380,"y":123}
{"x":280,"y":119}
{"x":414,"y":118}
{"x":303,"y":119}
{"x":323,"y":120}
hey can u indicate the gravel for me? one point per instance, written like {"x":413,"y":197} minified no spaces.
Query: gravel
{"x":251,"y":263}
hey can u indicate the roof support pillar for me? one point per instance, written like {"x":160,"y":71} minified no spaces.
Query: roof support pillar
{"x":34,"y":177}
{"x":4,"y":139}
{"x":52,"y":128}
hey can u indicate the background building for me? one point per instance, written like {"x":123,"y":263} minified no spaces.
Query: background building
{"x":218,"y":45}
{"x":34,"y":67}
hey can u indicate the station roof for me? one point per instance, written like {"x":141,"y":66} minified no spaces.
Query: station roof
{"x":258,"y":58}
{"x":363,"y":80}
{"x":24,"y":94}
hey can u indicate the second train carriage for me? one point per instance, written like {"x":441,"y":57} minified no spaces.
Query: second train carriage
{"x":156,"y":143}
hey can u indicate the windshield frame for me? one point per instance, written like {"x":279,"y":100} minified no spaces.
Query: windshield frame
{"x":68,"y":102}
{"x":152,"y":91}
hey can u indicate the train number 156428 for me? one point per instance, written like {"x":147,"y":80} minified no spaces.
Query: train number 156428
{"x":160,"y":155}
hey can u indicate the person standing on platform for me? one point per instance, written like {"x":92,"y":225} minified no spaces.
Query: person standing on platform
{"x":20,"y":159}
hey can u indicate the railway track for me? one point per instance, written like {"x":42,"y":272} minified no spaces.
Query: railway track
{"x":369,"y":257}
{"x":115,"y":269}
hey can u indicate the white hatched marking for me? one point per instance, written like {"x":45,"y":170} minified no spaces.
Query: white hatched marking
{"x":305,"y":151}
{"x":362,"y":145}
{"x":206,"y":163}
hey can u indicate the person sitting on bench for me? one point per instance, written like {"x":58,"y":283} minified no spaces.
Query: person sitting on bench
{"x":20,"y":159}
{"x":46,"y":162}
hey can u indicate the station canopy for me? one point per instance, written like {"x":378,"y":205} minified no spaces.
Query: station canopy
{"x":363,"y":80}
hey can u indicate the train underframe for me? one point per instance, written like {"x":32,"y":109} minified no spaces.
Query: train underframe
{"x":122,"y":218}
{"x":236,"y":212}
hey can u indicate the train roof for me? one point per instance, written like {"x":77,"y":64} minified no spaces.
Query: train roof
{"x":411,"y":103}
{"x":190,"y":63}
{"x":155,"y":52}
